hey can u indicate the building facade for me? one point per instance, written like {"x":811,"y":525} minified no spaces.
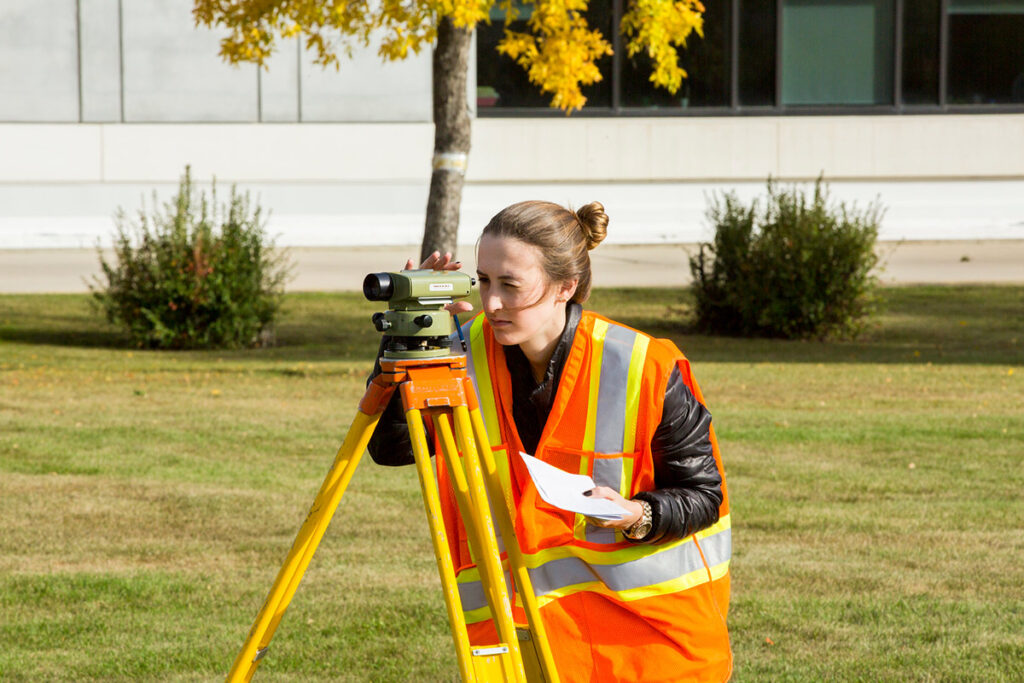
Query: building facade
{"x":917,"y":102}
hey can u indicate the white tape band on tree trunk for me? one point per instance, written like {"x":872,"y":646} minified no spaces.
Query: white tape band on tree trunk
{"x":451,"y":161}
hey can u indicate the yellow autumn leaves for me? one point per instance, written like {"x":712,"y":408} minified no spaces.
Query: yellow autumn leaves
{"x":659,"y":27}
{"x":559,"y":53}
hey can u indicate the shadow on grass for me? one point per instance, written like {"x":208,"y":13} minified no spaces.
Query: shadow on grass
{"x":952,"y":324}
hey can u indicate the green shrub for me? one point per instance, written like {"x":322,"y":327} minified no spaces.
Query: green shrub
{"x":193,"y":275}
{"x":791,"y":267}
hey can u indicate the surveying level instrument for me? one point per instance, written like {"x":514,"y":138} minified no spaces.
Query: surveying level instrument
{"x":435,"y":388}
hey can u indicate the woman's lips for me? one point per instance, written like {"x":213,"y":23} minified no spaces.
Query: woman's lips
{"x":498,"y":323}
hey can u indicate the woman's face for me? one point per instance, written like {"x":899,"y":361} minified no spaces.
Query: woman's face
{"x":519,"y":302}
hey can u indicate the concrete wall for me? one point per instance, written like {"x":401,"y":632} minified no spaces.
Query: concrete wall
{"x":954,"y":177}
{"x":145,"y":61}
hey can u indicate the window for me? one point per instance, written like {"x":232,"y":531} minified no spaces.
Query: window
{"x":757,"y":53}
{"x":921,"y":20}
{"x":789,"y":55}
{"x":837,"y":52}
{"x":986,"y":52}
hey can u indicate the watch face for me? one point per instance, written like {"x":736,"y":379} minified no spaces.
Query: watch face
{"x":643,"y":530}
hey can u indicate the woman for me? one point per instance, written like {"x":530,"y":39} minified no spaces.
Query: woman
{"x":642,"y":598}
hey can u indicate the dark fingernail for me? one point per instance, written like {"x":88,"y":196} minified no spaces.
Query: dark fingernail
{"x":587,"y":493}
{"x":458,"y":263}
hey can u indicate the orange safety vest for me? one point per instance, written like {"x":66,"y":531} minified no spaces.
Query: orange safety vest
{"x":613,"y":610}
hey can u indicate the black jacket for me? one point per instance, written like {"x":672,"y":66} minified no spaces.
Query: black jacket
{"x":689,"y":488}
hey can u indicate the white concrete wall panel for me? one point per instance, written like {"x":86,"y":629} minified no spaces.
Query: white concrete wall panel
{"x":941,"y":177}
{"x":748,"y":148}
{"x":101,"y":60}
{"x":365,"y":88}
{"x":38,"y":60}
{"x":279,"y":84}
{"x":57,"y":153}
{"x":258,"y":153}
{"x":79,"y":215}
{"x":173,"y":72}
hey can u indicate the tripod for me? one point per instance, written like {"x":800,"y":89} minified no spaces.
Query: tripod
{"x":437,"y":388}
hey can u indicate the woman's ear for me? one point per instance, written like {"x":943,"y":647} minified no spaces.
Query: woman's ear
{"x":566,"y":290}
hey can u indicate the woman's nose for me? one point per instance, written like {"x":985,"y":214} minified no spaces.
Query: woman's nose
{"x":490,"y":302}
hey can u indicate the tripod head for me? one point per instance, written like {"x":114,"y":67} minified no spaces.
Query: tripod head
{"x":416,"y":322}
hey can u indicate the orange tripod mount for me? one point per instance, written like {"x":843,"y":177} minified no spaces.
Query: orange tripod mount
{"x":437,"y":389}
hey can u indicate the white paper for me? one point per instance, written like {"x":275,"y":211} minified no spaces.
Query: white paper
{"x":565,"y":490}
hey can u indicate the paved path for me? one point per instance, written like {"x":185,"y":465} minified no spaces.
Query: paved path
{"x":334,"y":269}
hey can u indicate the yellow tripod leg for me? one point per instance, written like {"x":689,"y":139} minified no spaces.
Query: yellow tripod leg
{"x":515,"y":556}
{"x":489,"y":557}
{"x":301,"y":553}
{"x":439,"y":539}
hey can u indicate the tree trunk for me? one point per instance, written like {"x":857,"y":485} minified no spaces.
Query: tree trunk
{"x":451,"y":138}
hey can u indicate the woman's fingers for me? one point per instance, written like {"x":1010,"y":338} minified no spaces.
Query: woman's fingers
{"x":605,"y":492}
{"x":439,"y":261}
{"x":611,"y":494}
{"x":459,"y":307}
{"x":436,"y":261}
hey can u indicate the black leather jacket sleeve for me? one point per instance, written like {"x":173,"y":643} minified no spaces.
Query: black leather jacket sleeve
{"x":390,"y":443}
{"x":688,"y":486}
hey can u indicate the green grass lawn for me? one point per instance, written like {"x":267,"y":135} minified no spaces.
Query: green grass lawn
{"x":148,"y":499}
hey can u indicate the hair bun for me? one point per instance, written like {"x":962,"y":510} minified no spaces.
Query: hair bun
{"x":594,"y":222}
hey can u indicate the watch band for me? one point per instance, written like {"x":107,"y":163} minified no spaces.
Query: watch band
{"x":642,"y":526}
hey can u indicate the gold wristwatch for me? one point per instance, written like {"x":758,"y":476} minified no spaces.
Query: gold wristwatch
{"x":642,"y":526}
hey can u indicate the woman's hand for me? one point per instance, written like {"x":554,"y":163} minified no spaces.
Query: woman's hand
{"x":437,"y":261}
{"x":636,"y":510}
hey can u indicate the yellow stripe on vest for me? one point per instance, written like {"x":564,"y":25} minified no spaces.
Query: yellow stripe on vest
{"x":579,"y":530}
{"x":482,"y":375}
{"x":636,"y":375}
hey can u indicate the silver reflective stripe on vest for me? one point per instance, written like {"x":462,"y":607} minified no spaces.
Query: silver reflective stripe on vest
{"x":646,"y":571}
{"x":607,"y":472}
{"x":610,"y":422}
{"x":611,"y":401}
{"x":717,"y":547}
{"x":472,"y":596}
{"x":650,"y":570}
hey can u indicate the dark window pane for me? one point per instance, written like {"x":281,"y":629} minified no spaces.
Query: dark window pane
{"x":706,"y":62}
{"x":503,"y":83}
{"x":986,"y":52}
{"x":757,"y":52}
{"x":837,"y":51}
{"x":921,"y":52}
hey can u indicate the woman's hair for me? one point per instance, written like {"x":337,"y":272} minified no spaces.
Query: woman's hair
{"x":564,"y":237}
